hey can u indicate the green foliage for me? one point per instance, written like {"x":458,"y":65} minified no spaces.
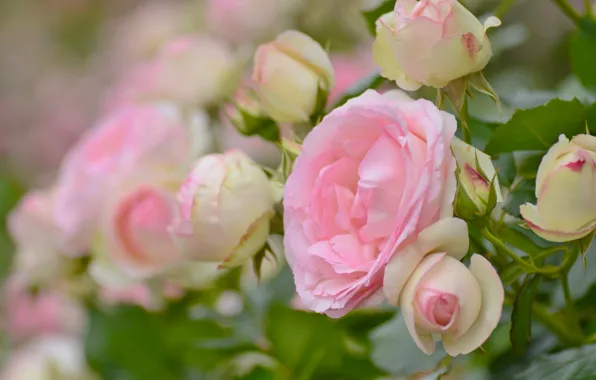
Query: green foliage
{"x":521,"y":316}
{"x":251,"y":125}
{"x":583,"y":53}
{"x":574,"y":364}
{"x":540,"y":127}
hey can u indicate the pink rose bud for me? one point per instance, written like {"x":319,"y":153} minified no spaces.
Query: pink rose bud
{"x":431,"y":43}
{"x":120,"y":143}
{"x":439,"y":296}
{"x":225,"y":208}
{"x":476,"y":172}
{"x":49,"y":357}
{"x":134,"y":230}
{"x":372,"y":175}
{"x":566,"y":192}
{"x":289,"y":74}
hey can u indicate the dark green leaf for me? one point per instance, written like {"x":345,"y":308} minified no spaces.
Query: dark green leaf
{"x":583,"y":53}
{"x":373,"y":81}
{"x":373,"y":15}
{"x":521,"y":193}
{"x":521,"y":316}
{"x":528,"y":167}
{"x":506,"y":169}
{"x":538,"y":128}
{"x":517,"y":239}
{"x":574,"y":364}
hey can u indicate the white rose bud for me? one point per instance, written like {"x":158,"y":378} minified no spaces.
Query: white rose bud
{"x":439,"y":296}
{"x":566,"y":191}
{"x":431,"y":42}
{"x":476,"y":173}
{"x":289,"y":74}
{"x":226,"y":204}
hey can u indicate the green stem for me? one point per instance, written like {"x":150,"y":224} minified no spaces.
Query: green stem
{"x":524,"y":265}
{"x":466,"y":134}
{"x":504,"y":7}
{"x":568,"y":10}
{"x":588,"y":5}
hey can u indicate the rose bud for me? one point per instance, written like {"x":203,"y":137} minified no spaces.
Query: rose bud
{"x":477,"y":175}
{"x":566,"y":191}
{"x":441,"y":297}
{"x":226,"y":204}
{"x":289,"y":74}
{"x":431,"y":43}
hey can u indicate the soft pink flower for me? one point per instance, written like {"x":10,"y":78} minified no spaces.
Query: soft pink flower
{"x":28,"y":314}
{"x":371,"y":175}
{"x":118,"y":145}
{"x":138,"y":294}
{"x":133,"y":234}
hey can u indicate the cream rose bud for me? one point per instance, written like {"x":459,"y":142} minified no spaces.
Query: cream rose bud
{"x":476,"y":172}
{"x":439,"y":296}
{"x":288,"y":74}
{"x":566,"y":191}
{"x":225,"y":206}
{"x":431,"y":42}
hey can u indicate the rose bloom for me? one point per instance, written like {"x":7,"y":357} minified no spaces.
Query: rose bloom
{"x":133,"y":233}
{"x":438,"y":296}
{"x":431,"y":42}
{"x":565,"y":191}
{"x":28,"y":314}
{"x":115,"y":147}
{"x":371,"y":175}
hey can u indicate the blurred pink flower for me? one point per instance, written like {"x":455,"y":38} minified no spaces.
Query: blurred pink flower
{"x":138,"y":294}
{"x":28,"y":314}
{"x":119,"y":144}
{"x":349,"y":70}
{"x":246,"y":21}
{"x":188,"y":70}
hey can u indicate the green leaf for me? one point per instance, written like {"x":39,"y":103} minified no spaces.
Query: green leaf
{"x":305,"y":343}
{"x":373,"y":15}
{"x":373,"y":81}
{"x":252,"y":125}
{"x":584,"y":245}
{"x":574,"y":364}
{"x":538,"y":128}
{"x":514,"y":237}
{"x":528,"y":167}
{"x":521,"y":316}
{"x":480,"y":84}
{"x":521,"y":193}
{"x":583,"y":53}
{"x":506,"y":168}
{"x":395,"y":351}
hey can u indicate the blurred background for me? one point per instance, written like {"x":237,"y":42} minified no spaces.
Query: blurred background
{"x":64,"y":64}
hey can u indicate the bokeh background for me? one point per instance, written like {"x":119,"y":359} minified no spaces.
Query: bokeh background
{"x":64,"y":62}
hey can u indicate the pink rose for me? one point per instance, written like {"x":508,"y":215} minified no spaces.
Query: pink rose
{"x":117,"y":146}
{"x":27,"y":314}
{"x":133,"y":234}
{"x":370,"y":177}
